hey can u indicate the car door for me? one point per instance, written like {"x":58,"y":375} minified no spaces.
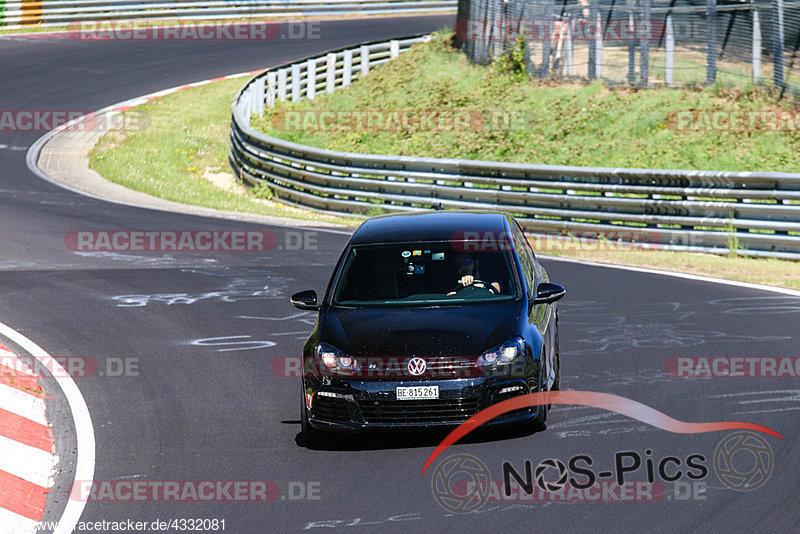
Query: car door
{"x":541,"y":315}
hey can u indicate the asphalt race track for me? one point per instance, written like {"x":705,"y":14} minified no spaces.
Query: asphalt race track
{"x":206,"y":403}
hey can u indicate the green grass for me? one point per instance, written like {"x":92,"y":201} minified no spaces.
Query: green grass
{"x":184,"y":139}
{"x":570,"y":124}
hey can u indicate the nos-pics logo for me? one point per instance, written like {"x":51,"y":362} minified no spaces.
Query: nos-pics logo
{"x":743,"y":461}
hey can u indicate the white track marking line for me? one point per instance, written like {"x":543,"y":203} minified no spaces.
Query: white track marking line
{"x":84,"y":431}
{"x":22,"y":404}
{"x":26,"y":462}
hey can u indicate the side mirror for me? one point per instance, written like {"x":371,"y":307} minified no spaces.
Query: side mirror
{"x":547,"y":293}
{"x":305,"y":300}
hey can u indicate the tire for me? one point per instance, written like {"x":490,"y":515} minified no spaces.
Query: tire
{"x":557,"y":361}
{"x":311,"y":436}
{"x":539,"y":423}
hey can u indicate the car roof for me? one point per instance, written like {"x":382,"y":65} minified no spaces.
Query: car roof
{"x":434,"y":225}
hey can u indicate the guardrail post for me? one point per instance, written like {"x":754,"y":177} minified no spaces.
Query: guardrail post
{"x":282,"y":85}
{"x":295,"y":82}
{"x":777,"y":42}
{"x":711,"y":41}
{"x":364,"y":60}
{"x":257,"y":104}
{"x":756,"y":46}
{"x":598,"y":55}
{"x":347,"y":70}
{"x":394,"y":49}
{"x":570,"y":60}
{"x":330,"y":74}
{"x":311,"y":79}
{"x":644,"y":57}
{"x":669,"y":61}
{"x":271,"y":88}
{"x":244,"y":105}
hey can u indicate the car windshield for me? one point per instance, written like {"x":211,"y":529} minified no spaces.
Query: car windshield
{"x":424,"y":274}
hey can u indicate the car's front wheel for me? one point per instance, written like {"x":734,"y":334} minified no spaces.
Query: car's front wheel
{"x":557,"y":361}
{"x":539,"y":423}
{"x":311,"y":436}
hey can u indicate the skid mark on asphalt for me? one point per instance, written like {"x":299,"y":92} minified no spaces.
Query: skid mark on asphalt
{"x":303,"y":317}
{"x":236,"y":290}
{"x":144,"y":261}
{"x":660,"y":325}
{"x":759,"y":305}
{"x":577,"y":425}
{"x":569,"y":422}
{"x":233,"y":343}
{"x":755,"y":399}
{"x":611,"y":378}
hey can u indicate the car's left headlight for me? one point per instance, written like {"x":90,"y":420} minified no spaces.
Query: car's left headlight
{"x":509,"y":352}
{"x":333,"y":360}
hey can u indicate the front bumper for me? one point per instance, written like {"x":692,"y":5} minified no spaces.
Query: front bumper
{"x":341,"y":404}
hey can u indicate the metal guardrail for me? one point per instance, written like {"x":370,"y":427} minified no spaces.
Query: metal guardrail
{"x":753,"y":213}
{"x":51,"y":13}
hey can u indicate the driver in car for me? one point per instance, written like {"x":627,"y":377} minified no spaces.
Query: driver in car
{"x":469,"y":275}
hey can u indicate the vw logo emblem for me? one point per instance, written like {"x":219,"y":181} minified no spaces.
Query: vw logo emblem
{"x":417,"y":366}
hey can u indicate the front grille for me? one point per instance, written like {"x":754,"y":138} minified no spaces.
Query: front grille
{"x":436,"y":367}
{"x":331,"y":409}
{"x":422,"y":411}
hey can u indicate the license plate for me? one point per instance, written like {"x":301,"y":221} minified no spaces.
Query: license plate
{"x":417,"y":392}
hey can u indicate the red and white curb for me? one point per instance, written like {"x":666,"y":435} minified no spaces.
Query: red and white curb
{"x":27,"y":459}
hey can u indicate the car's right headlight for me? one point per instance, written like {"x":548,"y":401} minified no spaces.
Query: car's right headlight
{"x":332,"y":360}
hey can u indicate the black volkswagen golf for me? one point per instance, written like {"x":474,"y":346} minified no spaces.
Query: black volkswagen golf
{"x":429,"y":318}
